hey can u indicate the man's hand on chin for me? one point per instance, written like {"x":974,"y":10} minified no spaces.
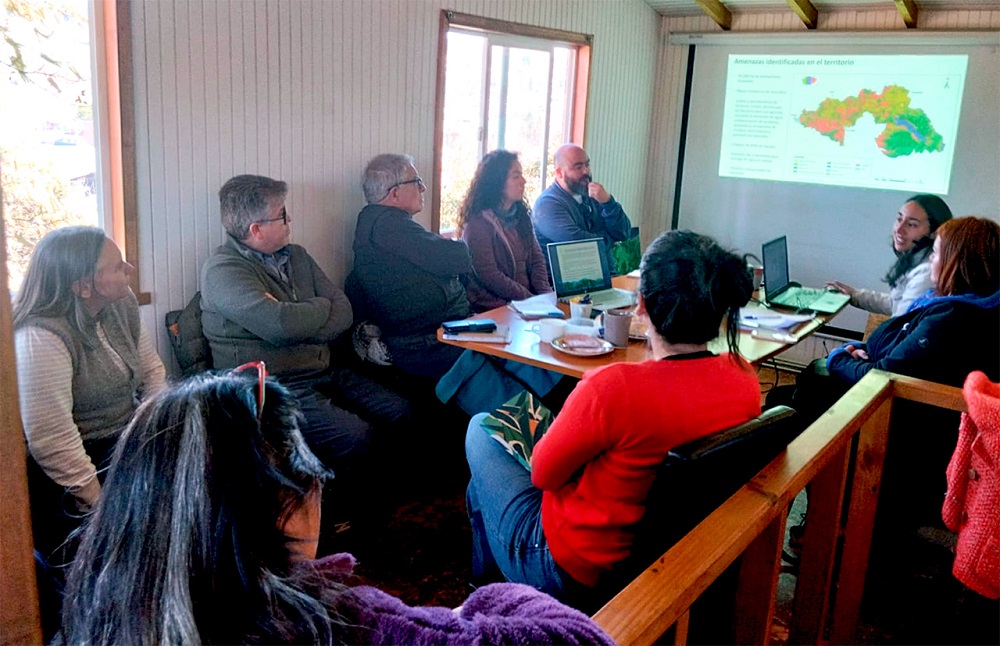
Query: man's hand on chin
{"x":597,"y":192}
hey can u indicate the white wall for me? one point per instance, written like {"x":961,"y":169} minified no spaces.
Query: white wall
{"x":672,"y":68}
{"x":668,"y":104}
{"x":308,"y":91}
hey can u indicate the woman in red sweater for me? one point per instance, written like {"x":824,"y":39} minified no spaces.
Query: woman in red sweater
{"x":567,"y":523}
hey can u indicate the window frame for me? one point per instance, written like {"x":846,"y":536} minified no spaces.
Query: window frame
{"x":115,"y":121}
{"x":504,"y":30}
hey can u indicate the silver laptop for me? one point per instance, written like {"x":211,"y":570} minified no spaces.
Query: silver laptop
{"x":581,"y":267}
{"x":786,"y":293}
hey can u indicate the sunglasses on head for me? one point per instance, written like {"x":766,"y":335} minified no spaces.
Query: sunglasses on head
{"x":261,"y":377}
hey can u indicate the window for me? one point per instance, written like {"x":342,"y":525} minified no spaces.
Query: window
{"x":503,"y":85}
{"x":61,"y":124}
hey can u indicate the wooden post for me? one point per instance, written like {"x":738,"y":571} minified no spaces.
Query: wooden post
{"x":810,"y":607}
{"x":759,"y":569}
{"x":681,"y":629}
{"x":20,"y":620}
{"x":869,"y":459}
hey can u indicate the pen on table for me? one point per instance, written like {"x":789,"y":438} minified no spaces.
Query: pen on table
{"x":754,"y":323}
{"x":772,"y":335}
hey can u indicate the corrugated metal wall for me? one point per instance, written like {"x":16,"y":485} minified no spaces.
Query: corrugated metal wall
{"x":308,"y":91}
{"x":672,"y":68}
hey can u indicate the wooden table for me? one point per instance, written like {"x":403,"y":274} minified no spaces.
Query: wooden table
{"x":524,"y":345}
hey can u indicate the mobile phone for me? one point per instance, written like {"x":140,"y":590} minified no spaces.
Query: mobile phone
{"x":469,"y":325}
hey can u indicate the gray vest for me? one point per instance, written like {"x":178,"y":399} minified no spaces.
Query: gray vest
{"x":104,"y":397}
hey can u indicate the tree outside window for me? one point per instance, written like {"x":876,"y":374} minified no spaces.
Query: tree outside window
{"x":48,"y":158}
{"x":506,"y":86}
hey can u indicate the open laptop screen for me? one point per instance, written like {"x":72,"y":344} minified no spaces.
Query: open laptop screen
{"x":775,"y":255}
{"x":579,"y":267}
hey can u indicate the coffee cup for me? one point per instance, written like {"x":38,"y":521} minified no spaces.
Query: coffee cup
{"x":548,"y":330}
{"x":580,"y":310}
{"x":616,"y":326}
{"x":582,"y":326}
{"x":756,"y":274}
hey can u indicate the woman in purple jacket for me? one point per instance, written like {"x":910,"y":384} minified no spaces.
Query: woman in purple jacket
{"x":207,"y":529}
{"x":495,"y":222}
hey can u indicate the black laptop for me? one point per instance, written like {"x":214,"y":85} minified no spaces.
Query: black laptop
{"x":783,"y":292}
{"x":581,"y":267}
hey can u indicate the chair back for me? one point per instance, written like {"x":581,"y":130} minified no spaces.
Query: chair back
{"x":697,"y":477}
{"x":874,"y":320}
{"x":190,"y":346}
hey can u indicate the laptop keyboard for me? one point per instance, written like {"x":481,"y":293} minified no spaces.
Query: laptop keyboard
{"x":613,"y":297}
{"x":800,"y":297}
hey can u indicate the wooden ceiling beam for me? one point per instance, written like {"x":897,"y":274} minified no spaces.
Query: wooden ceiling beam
{"x":806,"y":12}
{"x":908,"y":10}
{"x":717,"y":12}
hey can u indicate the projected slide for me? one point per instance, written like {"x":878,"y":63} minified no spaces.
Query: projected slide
{"x":886,"y":122}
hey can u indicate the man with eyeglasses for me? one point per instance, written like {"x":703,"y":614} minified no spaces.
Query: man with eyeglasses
{"x":406,"y":278}
{"x":574,"y":207}
{"x":264,"y":299}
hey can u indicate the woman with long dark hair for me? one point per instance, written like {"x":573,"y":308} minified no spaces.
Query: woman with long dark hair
{"x":207,"y":533}
{"x":910,"y":276}
{"x":566,"y":524}
{"x":495,"y":221}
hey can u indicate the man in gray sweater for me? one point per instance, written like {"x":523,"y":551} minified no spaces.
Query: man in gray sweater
{"x":264,"y":299}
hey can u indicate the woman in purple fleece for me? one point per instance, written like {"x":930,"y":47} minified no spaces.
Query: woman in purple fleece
{"x":206,"y":533}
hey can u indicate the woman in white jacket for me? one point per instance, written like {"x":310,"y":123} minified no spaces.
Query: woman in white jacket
{"x":910,"y":275}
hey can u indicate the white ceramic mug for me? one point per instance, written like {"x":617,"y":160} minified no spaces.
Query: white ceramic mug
{"x":582,"y":326}
{"x":548,"y":330}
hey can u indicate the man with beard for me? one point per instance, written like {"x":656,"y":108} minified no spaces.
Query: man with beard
{"x":576,"y":208}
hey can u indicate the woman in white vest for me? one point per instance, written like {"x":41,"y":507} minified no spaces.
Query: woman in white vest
{"x":84,"y":362}
{"x":910,"y":276}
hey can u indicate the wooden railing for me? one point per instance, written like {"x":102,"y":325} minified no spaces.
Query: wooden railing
{"x":751,"y":524}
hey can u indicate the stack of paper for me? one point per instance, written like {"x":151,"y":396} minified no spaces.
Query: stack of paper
{"x":537,"y":307}
{"x":756,"y":317}
{"x":499,"y":335}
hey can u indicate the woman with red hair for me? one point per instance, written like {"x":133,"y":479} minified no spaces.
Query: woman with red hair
{"x":950,"y":331}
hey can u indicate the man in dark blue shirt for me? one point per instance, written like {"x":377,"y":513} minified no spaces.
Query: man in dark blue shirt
{"x":406,"y":279}
{"x":575,"y":207}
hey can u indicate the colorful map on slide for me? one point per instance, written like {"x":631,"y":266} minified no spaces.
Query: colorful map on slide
{"x":869,"y":121}
{"x":907,"y":130}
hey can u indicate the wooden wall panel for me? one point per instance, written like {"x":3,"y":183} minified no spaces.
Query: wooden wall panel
{"x":309,"y":91}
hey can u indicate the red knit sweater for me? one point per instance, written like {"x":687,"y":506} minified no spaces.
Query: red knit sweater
{"x":599,"y":457}
{"x":972,"y":506}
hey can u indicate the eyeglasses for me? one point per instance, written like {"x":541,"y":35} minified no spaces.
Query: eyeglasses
{"x":415,"y":180}
{"x":261,"y":377}
{"x":283,"y":217}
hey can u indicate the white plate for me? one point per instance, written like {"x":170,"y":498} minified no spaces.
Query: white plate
{"x":603,"y":348}
{"x":637,"y":332}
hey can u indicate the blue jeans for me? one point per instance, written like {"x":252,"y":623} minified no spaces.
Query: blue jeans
{"x":505,"y":511}
{"x":339,"y":411}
